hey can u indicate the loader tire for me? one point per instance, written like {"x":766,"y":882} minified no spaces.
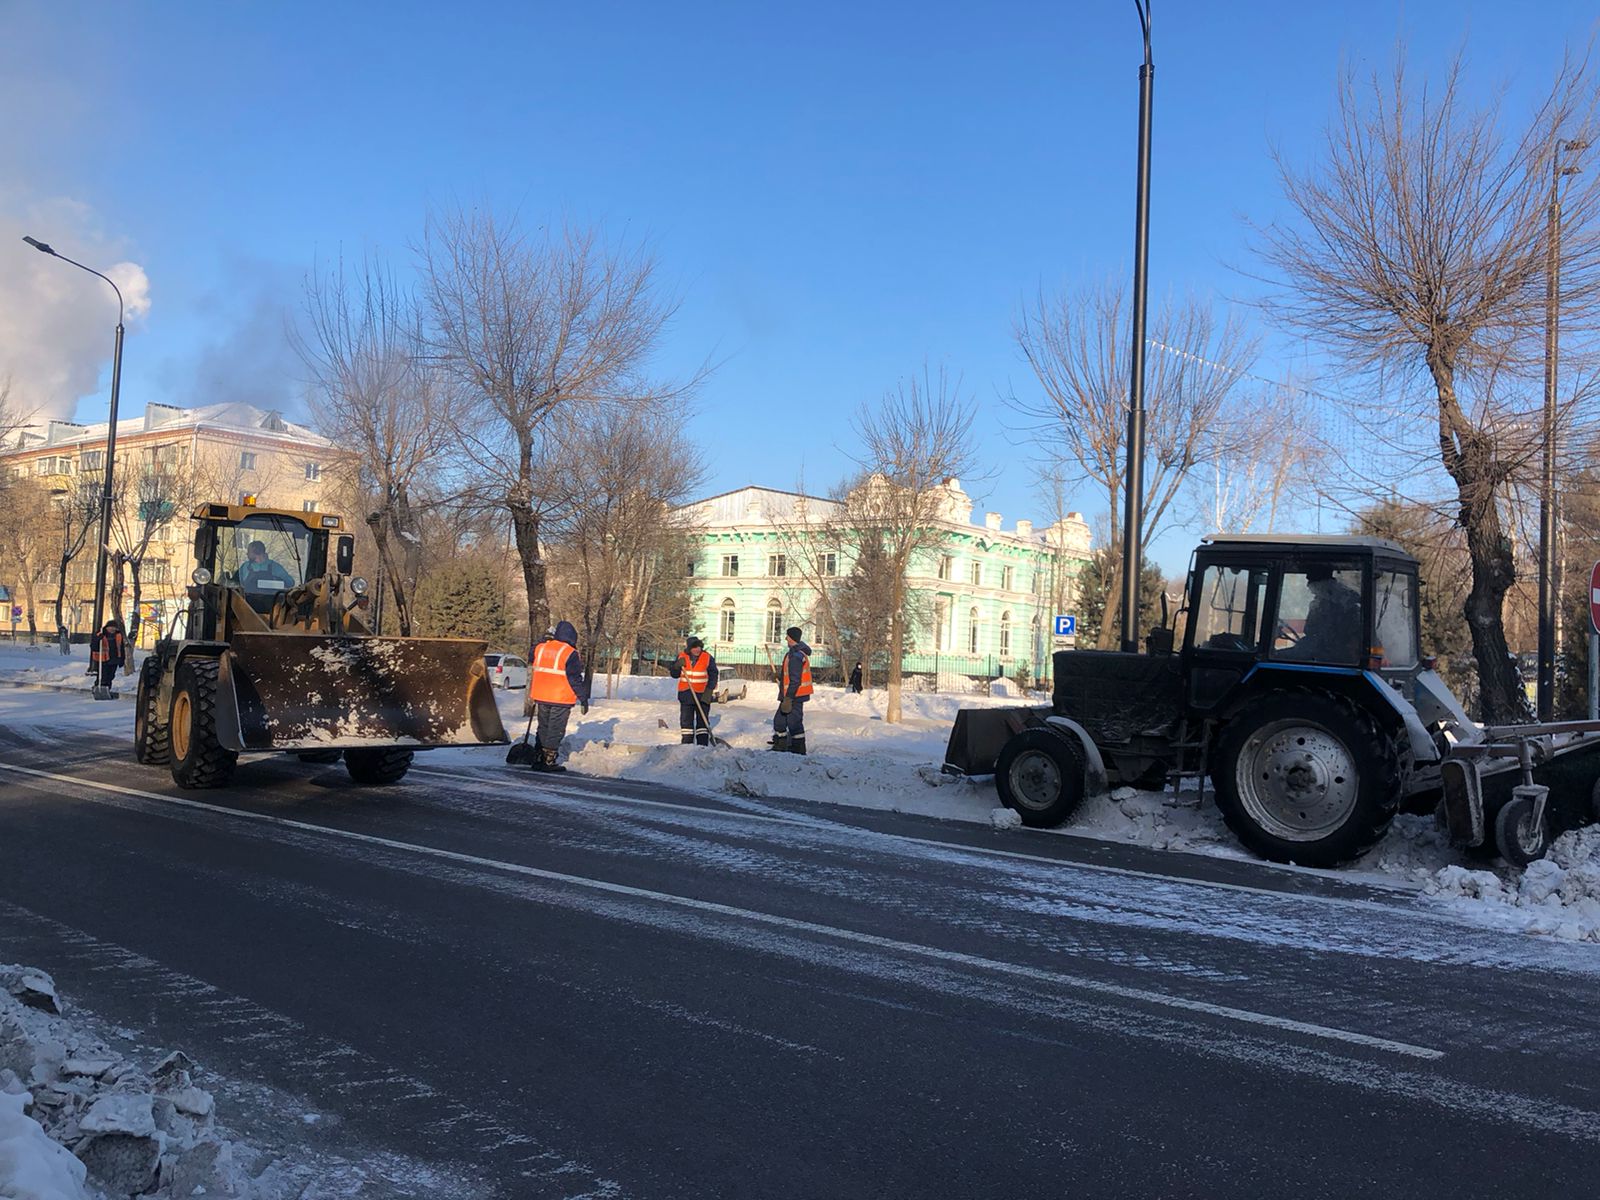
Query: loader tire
{"x":199,"y":760}
{"x":375,"y":766}
{"x":152,"y":739}
{"x":1307,"y":777}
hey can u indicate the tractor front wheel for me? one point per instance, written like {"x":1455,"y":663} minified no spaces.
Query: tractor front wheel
{"x":377,"y":765}
{"x":151,"y":736}
{"x":1040,"y":775}
{"x":199,"y":760}
{"x":1306,"y":777}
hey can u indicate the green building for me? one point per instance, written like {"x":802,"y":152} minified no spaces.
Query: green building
{"x":988,"y":594}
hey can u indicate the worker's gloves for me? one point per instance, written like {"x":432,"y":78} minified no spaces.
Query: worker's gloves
{"x":787,"y":706}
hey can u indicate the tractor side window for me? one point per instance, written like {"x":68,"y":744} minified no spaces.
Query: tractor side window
{"x":1319,"y":616}
{"x":1229,"y":614}
{"x":1395,"y":595}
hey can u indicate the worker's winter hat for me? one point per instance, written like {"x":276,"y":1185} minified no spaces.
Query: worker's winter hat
{"x":794,"y":632}
{"x":695,"y":643}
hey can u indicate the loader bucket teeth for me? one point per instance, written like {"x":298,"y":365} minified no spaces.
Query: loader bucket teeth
{"x":311,"y":691}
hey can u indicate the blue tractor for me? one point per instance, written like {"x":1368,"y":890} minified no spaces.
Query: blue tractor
{"x":1299,"y":693}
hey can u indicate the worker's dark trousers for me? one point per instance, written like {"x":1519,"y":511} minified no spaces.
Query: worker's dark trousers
{"x":691,"y":725}
{"x":552,"y":722}
{"x":789,"y":728}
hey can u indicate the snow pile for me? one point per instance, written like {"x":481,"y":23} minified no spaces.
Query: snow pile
{"x":73,"y":1110}
{"x":44,"y":665}
{"x":1557,"y":896}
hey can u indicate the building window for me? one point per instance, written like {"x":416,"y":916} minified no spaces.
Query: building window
{"x":247,"y":460}
{"x":727,"y":627}
{"x":972,"y":631}
{"x":1008,"y":576}
{"x":92,"y":460}
{"x":829,"y":564}
{"x":777,"y":565}
{"x":308,"y":506}
{"x":313,"y":472}
{"x":947,"y":566}
{"x":730,"y":566}
{"x":775,"y":624}
{"x":941,"y":624}
{"x":1005,"y":634}
{"x":977,"y":573}
{"x":688,"y":568}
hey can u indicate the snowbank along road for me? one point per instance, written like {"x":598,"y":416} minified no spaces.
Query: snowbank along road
{"x":486,"y":983}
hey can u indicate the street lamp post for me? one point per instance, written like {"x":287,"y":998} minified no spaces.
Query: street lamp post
{"x":111,"y":438}
{"x":1133,"y":474}
{"x":1548,"y":598}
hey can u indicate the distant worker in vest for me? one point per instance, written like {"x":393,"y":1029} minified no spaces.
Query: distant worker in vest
{"x":107,"y":651}
{"x":555,"y":685}
{"x":794,"y":689}
{"x":696,"y":673}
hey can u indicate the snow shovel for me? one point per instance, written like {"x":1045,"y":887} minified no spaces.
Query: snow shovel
{"x":521,"y":752}
{"x":715,"y":740}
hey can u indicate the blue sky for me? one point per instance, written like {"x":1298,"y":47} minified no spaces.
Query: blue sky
{"x":838,"y":191}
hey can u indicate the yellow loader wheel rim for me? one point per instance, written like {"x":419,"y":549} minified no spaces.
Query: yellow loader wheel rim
{"x":182,"y":718}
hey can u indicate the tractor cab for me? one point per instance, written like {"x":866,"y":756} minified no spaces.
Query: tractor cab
{"x":1318,"y":606}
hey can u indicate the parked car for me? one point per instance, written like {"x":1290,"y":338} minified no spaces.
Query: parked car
{"x":506,"y":670}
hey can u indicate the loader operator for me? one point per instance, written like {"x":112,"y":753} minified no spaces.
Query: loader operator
{"x":258,"y":568}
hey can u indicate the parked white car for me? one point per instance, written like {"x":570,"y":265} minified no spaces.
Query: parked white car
{"x":506,"y":670}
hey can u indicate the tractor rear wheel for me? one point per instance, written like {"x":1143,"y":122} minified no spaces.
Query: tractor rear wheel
{"x":377,"y":765}
{"x":1041,"y":776}
{"x":1306,"y":777}
{"x":199,"y":760}
{"x":151,"y":736}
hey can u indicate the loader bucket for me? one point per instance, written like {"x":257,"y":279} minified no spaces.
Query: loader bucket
{"x":314,"y":691}
{"x":979,"y":734}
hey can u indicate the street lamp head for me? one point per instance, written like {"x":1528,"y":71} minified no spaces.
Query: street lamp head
{"x":41,"y":247}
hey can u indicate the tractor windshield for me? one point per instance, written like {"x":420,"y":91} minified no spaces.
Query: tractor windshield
{"x":263,"y":554}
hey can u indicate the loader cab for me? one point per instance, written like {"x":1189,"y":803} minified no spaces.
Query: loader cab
{"x":260,"y":554}
{"x":1328,"y":606}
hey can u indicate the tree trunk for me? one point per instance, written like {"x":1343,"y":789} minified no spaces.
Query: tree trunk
{"x":1111,"y":616}
{"x":61,"y":592}
{"x":118,"y":585}
{"x":133,"y":618}
{"x":402,"y":605}
{"x":525,"y":527}
{"x":27,"y":598}
{"x":1468,"y":454}
{"x":891,"y":711}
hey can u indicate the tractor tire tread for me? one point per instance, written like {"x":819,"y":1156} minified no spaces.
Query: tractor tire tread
{"x":210,"y":763}
{"x":152,"y":738}
{"x":377,"y":766}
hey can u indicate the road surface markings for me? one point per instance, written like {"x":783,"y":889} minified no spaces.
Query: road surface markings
{"x":771,"y":920}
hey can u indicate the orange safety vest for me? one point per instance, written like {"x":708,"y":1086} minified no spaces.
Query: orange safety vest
{"x":548,"y":683}
{"x":101,"y":650}
{"x":695,"y":673}
{"x":804,"y":689}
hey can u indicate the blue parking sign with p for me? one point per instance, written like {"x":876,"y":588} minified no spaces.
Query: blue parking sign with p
{"x":1066,"y":626}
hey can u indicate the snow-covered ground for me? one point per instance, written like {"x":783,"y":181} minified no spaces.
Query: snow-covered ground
{"x":858,"y":759}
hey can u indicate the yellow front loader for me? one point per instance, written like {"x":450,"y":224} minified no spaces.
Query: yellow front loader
{"x":274,"y":653}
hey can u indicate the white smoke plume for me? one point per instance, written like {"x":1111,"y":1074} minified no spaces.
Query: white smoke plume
{"x":56,"y":322}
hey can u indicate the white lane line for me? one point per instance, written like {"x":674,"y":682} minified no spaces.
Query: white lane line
{"x":790,"y":924}
{"x":482,"y":784}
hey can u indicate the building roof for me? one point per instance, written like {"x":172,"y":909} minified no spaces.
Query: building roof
{"x":232,"y":416}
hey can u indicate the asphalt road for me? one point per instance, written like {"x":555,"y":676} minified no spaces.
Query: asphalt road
{"x":487,"y":983}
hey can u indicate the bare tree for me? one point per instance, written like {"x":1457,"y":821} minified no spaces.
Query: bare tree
{"x":530,"y":324}
{"x":381,"y":396}
{"x":1078,"y":346}
{"x":28,"y":540}
{"x":813,"y":542}
{"x":1419,"y":254}
{"x":1253,"y":479}
{"x":915,"y":441}
{"x":79,"y":509}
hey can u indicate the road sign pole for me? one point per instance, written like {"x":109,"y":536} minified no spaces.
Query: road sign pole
{"x":1594,"y":676}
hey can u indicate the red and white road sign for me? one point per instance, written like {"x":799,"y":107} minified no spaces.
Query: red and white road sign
{"x":1594,"y":598}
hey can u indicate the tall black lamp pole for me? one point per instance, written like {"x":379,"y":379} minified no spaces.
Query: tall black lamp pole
{"x":1133,"y":475}
{"x":111,"y":439}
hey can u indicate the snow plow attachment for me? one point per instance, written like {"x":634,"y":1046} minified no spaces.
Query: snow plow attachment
{"x":979,"y":734}
{"x":316,"y":692}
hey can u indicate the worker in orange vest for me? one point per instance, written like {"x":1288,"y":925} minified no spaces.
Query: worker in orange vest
{"x":108,"y":650}
{"x":794,"y":688}
{"x":696,"y":673}
{"x":555,"y":685}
